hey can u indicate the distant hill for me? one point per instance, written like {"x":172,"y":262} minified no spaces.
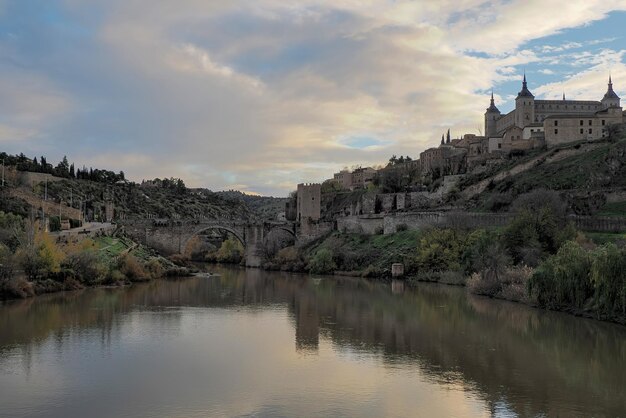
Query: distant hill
{"x":263,"y":207}
{"x":130,"y":200}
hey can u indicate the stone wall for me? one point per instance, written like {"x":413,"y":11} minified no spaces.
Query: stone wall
{"x":422,"y":220}
{"x":309,"y":201}
{"x":366,"y":224}
{"x":389,"y":223}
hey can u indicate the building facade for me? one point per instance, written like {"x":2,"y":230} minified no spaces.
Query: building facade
{"x":552,"y":122}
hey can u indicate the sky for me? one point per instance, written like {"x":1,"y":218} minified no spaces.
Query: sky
{"x":259,"y":95}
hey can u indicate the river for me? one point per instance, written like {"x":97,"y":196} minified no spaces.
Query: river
{"x":268,"y":344}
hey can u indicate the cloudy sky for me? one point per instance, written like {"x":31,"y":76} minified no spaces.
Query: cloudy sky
{"x":259,"y":95}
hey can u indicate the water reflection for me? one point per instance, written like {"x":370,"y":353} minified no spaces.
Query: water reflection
{"x":416,"y":351}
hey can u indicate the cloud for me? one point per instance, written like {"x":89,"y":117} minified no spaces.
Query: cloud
{"x":265,"y":94}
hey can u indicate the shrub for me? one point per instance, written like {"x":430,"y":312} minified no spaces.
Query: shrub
{"x":322,"y":262}
{"x":155,"y":269}
{"x":231,"y":251}
{"x":86,"y":267}
{"x":372,"y":271}
{"x":402,"y":227}
{"x":17,"y":288}
{"x":132,"y":269}
{"x":440,"y":250}
{"x":289,"y":259}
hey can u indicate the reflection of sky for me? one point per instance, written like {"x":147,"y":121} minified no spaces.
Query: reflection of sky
{"x":263,"y":96}
{"x":217,"y":362}
{"x":273,"y":343}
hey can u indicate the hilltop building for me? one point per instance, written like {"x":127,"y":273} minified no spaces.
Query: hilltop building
{"x":551,"y":122}
{"x":358,"y":179}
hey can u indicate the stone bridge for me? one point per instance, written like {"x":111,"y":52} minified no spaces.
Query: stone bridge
{"x":169,"y":236}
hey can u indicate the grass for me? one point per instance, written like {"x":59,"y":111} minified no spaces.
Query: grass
{"x":606,"y":237}
{"x":361,"y":251}
{"x":613,"y":209}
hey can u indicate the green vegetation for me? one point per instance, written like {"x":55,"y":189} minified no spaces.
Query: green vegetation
{"x":613,"y":209}
{"x":579,"y":280}
{"x":573,"y":167}
{"x":34,"y":262}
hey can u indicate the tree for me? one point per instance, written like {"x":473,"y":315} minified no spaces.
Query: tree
{"x":322,"y":262}
{"x":72,"y":173}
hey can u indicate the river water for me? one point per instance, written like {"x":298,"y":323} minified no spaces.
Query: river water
{"x":267,"y":344}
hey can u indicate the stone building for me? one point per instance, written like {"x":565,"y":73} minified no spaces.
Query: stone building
{"x":552,"y":122}
{"x":357,"y":179}
{"x":309,"y":201}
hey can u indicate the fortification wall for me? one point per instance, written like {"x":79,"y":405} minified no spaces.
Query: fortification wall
{"x":365,"y":224}
{"x":422,"y":220}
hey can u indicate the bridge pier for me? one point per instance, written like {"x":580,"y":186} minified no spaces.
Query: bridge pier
{"x":254,"y":245}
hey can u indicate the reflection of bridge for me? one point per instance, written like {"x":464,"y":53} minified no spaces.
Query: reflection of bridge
{"x":172,"y":236}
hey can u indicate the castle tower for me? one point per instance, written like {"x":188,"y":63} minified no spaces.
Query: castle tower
{"x":524,"y":106}
{"x":491,"y":116}
{"x":610,"y":99}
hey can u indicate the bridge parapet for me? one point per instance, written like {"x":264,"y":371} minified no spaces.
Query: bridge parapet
{"x":171,"y":236}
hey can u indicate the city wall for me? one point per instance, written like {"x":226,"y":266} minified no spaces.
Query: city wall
{"x":391,"y":223}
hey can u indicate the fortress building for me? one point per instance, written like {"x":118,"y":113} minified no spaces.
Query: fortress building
{"x":535,"y":122}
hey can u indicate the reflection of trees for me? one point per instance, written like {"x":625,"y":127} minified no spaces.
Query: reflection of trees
{"x":535,"y":361}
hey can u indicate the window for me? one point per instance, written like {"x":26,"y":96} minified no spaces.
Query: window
{"x":581,"y":130}
{"x":556,"y":123}
{"x":556,"y":132}
{"x":603,"y":122}
{"x":590,"y":130}
{"x":499,"y":146}
{"x":590,"y":122}
{"x":581,"y":123}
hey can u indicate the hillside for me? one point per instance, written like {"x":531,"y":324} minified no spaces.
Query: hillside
{"x":589,"y":176}
{"x":263,"y":207}
{"x":130,"y":200}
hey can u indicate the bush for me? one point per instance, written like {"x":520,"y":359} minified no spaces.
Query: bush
{"x":132,"y":269}
{"x":402,"y":227}
{"x":372,"y":271}
{"x":289,"y":259}
{"x":440,"y":250}
{"x":85,"y":267}
{"x":54,"y":223}
{"x":231,"y":251}
{"x":16,"y":288}
{"x":322,"y":262}
{"x":155,"y":269}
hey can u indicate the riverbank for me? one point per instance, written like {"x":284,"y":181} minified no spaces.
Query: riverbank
{"x":64,"y":263}
{"x":561,"y":270}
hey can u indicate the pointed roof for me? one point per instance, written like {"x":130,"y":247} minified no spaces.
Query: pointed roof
{"x":525,"y":92}
{"x":492,"y":108}
{"x":610,"y":94}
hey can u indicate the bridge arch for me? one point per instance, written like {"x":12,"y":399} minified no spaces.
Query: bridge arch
{"x":240,"y":235}
{"x":275,"y":238}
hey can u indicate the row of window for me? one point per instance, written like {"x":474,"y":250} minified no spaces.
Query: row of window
{"x":556,"y":122}
{"x":556,"y":131}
